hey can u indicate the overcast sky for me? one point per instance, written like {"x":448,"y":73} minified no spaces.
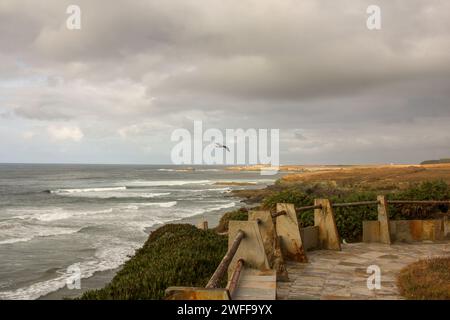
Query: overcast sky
{"x":114,"y":91}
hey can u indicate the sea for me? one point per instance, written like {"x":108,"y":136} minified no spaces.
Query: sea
{"x":54,"y":218}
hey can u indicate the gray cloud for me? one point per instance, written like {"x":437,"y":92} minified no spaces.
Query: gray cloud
{"x":137,"y":70}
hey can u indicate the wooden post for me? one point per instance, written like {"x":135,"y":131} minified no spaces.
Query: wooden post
{"x":251,"y":248}
{"x":278,"y":262}
{"x":288,"y":230}
{"x":383,"y":218}
{"x":271,"y":242}
{"x":267,"y":229}
{"x":233,"y":283}
{"x":233,"y":246}
{"x":203,"y":225}
{"x":324,"y":219}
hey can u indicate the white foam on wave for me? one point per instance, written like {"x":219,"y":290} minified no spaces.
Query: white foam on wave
{"x":210,"y":189}
{"x":137,"y":206}
{"x":102,"y":189}
{"x":15,"y":240}
{"x":117,"y":195}
{"x":17,"y":232}
{"x":220,"y":207}
{"x":199,"y":211}
{"x":162,"y":183}
{"x":54,"y":214}
{"x":105,"y":259}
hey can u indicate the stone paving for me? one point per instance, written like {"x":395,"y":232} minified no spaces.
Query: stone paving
{"x":343,"y":274}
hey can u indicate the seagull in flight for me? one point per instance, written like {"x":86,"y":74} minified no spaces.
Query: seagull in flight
{"x":218,"y":145}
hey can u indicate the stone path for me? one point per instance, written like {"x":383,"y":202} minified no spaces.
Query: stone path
{"x":343,"y":274}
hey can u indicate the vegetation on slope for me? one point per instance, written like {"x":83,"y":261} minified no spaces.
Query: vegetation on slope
{"x":240,"y":214}
{"x":173,"y":255}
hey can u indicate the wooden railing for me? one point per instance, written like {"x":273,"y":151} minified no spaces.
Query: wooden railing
{"x":366,"y":203}
{"x":225,"y":263}
{"x":273,"y":237}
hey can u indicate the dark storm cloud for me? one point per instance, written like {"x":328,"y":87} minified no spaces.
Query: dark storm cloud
{"x":139,"y":69}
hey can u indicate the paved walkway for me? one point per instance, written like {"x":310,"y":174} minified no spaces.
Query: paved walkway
{"x":256,"y":285}
{"x":342,"y":274}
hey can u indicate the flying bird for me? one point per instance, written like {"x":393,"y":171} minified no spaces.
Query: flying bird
{"x":218,"y":145}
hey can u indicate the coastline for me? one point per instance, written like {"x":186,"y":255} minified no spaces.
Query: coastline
{"x":101,"y":278}
{"x":406,"y":177}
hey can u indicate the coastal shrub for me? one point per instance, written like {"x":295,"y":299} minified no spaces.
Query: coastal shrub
{"x":295,"y":196}
{"x":349,"y":219}
{"x":173,"y":255}
{"x":240,"y":214}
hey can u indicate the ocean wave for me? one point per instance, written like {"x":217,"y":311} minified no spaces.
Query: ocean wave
{"x":105,"y":259}
{"x":210,"y":189}
{"x":223,"y":206}
{"x":162,"y":183}
{"x":24,"y":233}
{"x":137,"y":206}
{"x":210,"y":209}
{"x":15,"y":240}
{"x":117,"y":195}
{"x":53,"y":214}
{"x":102,"y":189}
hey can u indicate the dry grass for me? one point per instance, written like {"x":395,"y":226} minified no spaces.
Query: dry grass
{"x":427,"y":279}
{"x":381,"y":177}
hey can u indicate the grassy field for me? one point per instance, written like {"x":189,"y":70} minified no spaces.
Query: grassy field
{"x":375,"y":178}
{"x":382,"y":177}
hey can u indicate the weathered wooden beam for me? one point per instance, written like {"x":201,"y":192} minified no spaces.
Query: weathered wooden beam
{"x":278,"y":262}
{"x":233,"y":283}
{"x":225,"y":263}
{"x":324,"y":219}
{"x":383,"y":218}
{"x":425,"y":202}
{"x":271,"y":241}
{"x":277,"y":214}
{"x":354,"y":204}
{"x":306,"y":208}
{"x":203,"y":225}
{"x":288,"y":230}
{"x":251,"y":248}
{"x":267,"y":230}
